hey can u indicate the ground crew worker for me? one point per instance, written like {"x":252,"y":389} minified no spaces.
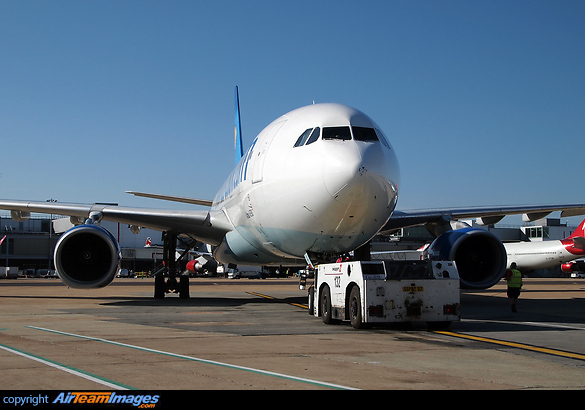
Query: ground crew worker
{"x":514,"y":278}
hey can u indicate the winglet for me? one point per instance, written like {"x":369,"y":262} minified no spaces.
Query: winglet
{"x":238,"y":131}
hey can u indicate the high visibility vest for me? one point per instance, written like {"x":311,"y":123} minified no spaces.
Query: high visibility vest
{"x":515,"y":280}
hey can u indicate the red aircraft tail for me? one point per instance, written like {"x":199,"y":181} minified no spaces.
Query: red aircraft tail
{"x":579,"y":232}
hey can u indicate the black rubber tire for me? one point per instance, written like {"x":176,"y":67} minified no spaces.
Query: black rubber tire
{"x":355,"y":308}
{"x":325,"y":305}
{"x":311,"y":301}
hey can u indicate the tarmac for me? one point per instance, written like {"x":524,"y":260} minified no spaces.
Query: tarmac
{"x":257,"y":335}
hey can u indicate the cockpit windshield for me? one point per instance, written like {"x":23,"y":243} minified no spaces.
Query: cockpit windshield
{"x":364,"y":134}
{"x":336,"y":133}
{"x":343,"y":133}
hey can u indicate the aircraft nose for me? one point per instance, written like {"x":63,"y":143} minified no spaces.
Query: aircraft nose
{"x":355,"y":174}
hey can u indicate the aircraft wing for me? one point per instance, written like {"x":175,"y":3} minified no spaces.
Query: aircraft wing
{"x":199,"y":224}
{"x":202,"y":226}
{"x":435,"y":218}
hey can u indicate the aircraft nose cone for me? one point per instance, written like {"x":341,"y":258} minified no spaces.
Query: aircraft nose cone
{"x":359,"y":176}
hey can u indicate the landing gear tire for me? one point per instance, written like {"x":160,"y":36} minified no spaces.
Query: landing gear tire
{"x":184,"y":287}
{"x":159,"y":286}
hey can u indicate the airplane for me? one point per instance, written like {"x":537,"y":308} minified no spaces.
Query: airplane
{"x":546,"y":254}
{"x":317,"y":182}
{"x":202,"y":263}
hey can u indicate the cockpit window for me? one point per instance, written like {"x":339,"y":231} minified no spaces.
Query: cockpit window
{"x":336,"y":133}
{"x":303,"y":138}
{"x":309,"y":136}
{"x":364,"y":134}
{"x":314,"y":136}
{"x":382,"y":138}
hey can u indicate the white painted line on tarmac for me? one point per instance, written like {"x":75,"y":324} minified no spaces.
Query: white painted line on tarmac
{"x":540,"y":324}
{"x":68,"y":369}
{"x":553,"y":325}
{"x":196,"y":359}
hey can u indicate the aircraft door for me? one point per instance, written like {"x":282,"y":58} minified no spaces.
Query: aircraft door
{"x":263,"y":145}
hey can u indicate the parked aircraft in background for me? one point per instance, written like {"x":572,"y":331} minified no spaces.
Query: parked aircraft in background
{"x":318,"y":182}
{"x":547,"y":254}
{"x":204,"y":262}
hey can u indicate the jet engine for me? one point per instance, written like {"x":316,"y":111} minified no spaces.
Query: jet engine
{"x":570,"y":267}
{"x":479,"y":255}
{"x":87,"y":256}
{"x":202,"y":263}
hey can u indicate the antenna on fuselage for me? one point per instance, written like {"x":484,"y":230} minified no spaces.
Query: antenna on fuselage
{"x":238,"y":131}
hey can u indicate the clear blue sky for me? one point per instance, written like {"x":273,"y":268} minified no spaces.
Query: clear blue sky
{"x":484,"y":101}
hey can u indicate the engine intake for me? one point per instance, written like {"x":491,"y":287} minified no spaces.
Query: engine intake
{"x":87,"y":256}
{"x":479,"y":255}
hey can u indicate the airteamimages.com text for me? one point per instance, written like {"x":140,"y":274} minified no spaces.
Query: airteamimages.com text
{"x":143,"y":401}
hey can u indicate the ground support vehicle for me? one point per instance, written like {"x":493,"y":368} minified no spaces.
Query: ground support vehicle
{"x":9,"y":272}
{"x":376,"y":292}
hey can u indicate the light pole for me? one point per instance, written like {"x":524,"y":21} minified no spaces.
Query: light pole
{"x":50,"y":237}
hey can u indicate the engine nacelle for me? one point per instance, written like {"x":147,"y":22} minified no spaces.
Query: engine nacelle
{"x":202,"y":263}
{"x":567,"y":267}
{"x":87,"y":256}
{"x":479,"y":255}
{"x":571,"y":267}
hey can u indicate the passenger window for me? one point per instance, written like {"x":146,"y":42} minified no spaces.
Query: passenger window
{"x":303,"y":138}
{"x":314,"y":136}
{"x":336,"y":133}
{"x":364,"y":134}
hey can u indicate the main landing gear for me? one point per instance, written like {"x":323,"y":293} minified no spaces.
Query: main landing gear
{"x":165,"y":280}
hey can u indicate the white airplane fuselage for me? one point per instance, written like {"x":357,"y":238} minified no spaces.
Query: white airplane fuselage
{"x":291,"y":195}
{"x":541,"y":255}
